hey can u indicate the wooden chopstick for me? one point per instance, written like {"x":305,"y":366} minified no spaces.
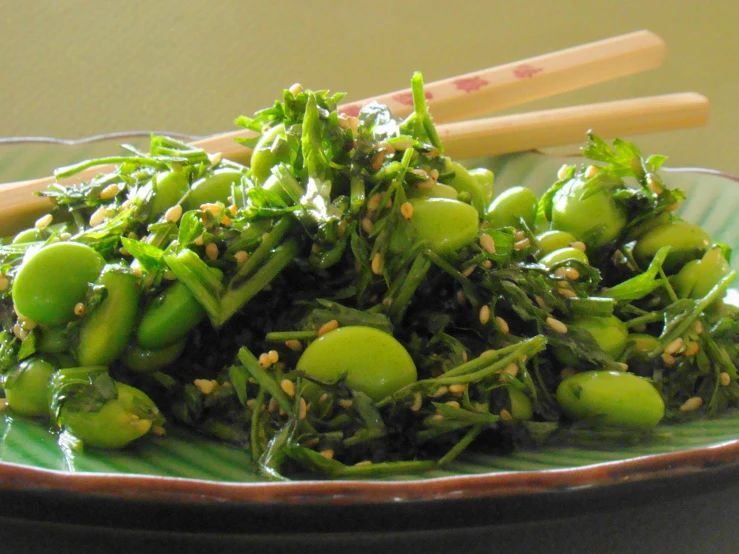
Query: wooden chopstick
{"x":563,"y":126}
{"x":485,"y":91}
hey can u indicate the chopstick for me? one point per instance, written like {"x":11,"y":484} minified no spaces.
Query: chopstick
{"x":563,"y":126}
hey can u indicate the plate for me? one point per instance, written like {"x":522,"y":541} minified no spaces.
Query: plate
{"x":187,"y":483}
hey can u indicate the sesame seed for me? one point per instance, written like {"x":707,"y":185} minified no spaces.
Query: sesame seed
{"x":505,"y":415}
{"x":295,"y":89}
{"x":374,"y":202}
{"x":79,"y":308}
{"x":211,"y":251}
{"x":27,"y":324}
{"x":367,"y":225}
{"x":65,"y":236}
{"x":363,"y":463}
{"x":519,"y":235}
{"x":302,"y":408}
{"x":591,"y":172}
{"x":458,"y":388}
{"x":467,"y":272}
{"x":226,"y":221}
{"x":487,"y":243}
{"x":213,"y":209}
{"x":580,"y":245}
{"x":692,"y":404}
{"x":274,"y":356}
{"x":387,"y":301}
{"x":572,"y":274}
{"x":294,"y":345}
{"x":654,"y":186}
{"x":485,"y":314}
{"x":487,"y":264}
{"x":511,"y":369}
{"x":43,"y":222}
{"x":697,"y":327}
{"x":567,"y":293}
{"x":417,"y":402}
{"x":489,"y":352}
{"x":206,"y":386}
{"x":521,"y":244}
{"x":452,"y":403}
{"x":264,"y":360}
{"x":461,"y":298}
{"x":623,"y":366}
{"x":198,"y":241}
{"x":541,"y":303}
{"x":241,"y":256}
{"x":434,"y":174}
{"x":562,"y":172}
{"x":502,"y":325}
{"x":215,"y":158}
{"x":377,"y":264}
{"x":669,"y":359}
{"x":97,"y":217}
{"x":136,"y":269}
{"x":436,"y":418}
{"x":465,"y":356}
{"x":273,"y":405}
{"x":692,"y":349}
{"x":556,"y":325}
{"x":345,"y":403}
{"x":425,"y":185}
{"x":377,"y":162}
{"x":109,"y":192}
{"x":406,"y":210}
{"x":173,"y":214}
{"x":674,"y":346}
{"x":328,"y":327}
{"x":323,"y":397}
{"x":673,"y":207}
{"x":328,"y":453}
{"x":441,"y":391}
{"x":288,"y":387}
{"x":251,"y":402}
{"x":4,"y":283}
{"x":724,"y":378}
{"x":567,"y":372}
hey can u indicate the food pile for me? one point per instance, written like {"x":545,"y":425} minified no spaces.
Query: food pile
{"x":354,"y":303}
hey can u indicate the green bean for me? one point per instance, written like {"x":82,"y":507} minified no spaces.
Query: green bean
{"x":27,"y":390}
{"x":141,"y":360}
{"x":169,"y":318}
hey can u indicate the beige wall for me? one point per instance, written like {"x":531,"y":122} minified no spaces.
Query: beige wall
{"x":77,"y":67}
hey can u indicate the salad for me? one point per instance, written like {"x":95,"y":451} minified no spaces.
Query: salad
{"x":354,"y":303}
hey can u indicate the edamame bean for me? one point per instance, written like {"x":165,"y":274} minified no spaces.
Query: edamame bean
{"x":486,"y":180}
{"x":27,"y":390}
{"x":446,"y":225}
{"x":106,"y":331}
{"x":464,"y":182}
{"x":687,"y":242}
{"x":611,"y":399}
{"x":586,"y":209}
{"x":512,"y":205}
{"x":29,"y":235}
{"x":564,"y":255}
{"x":169,"y":318}
{"x":609,"y":332}
{"x":698,"y":277}
{"x":53,"y":280}
{"x":141,"y":360}
{"x":169,"y":188}
{"x":439,"y":190}
{"x":521,"y":407}
{"x":118,"y":423}
{"x":213,"y":187}
{"x":263,"y":159}
{"x":553,"y":240}
{"x":374,"y":362}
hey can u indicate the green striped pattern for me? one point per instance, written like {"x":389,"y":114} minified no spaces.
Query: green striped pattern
{"x":712,"y":202}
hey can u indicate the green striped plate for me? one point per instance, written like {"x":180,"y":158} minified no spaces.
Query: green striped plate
{"x":184,"y":464}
